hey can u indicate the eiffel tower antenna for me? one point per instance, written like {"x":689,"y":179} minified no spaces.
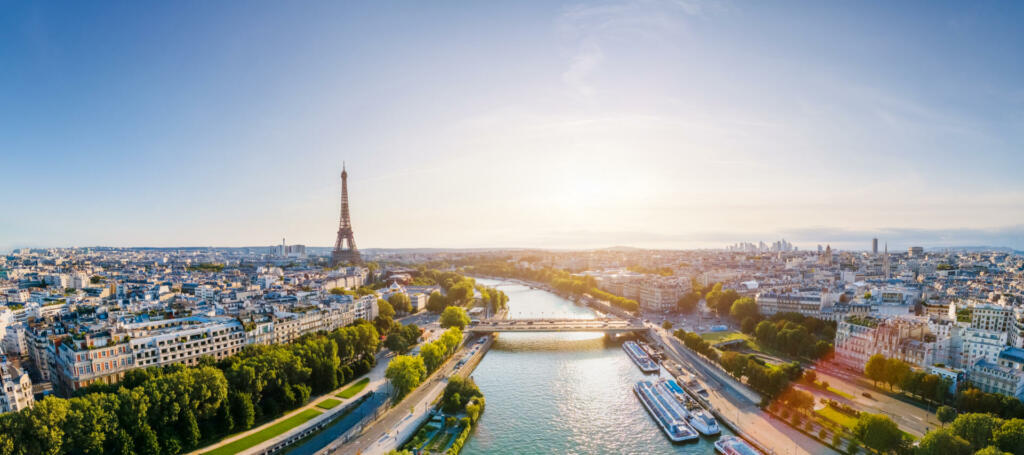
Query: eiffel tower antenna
{"x":345,"y":246}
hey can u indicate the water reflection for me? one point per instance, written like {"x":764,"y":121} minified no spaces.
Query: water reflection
{"x":562,"y":392}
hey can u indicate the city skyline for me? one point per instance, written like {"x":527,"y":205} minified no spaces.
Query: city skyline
{"x":568,"y":125}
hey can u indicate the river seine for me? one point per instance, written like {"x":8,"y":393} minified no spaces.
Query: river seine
{"x":565,"y":393}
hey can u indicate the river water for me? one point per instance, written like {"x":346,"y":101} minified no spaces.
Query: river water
{"x":562,"y":393}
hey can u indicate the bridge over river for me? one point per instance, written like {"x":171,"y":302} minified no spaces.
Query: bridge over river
{"x":606,"y":325}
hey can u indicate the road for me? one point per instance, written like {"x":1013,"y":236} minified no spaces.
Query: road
{"x":738,"y":403}
{"x":911,"y":418}
{"x":387,"y":432}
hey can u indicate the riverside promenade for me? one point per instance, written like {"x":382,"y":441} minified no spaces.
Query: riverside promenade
{"x":736,"y":404}
{"x":397,"y":424}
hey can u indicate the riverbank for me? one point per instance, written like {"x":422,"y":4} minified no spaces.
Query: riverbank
{"x":386,"y":431}
{"x":591,"y":302}
{"x":736,"y":405}
{"x":563,"y":392}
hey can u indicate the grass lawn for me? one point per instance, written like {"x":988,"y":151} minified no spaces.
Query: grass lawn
{"x":840,"y":393}
{"x":718,"y":337}
{"x":842,"y":419}
{"x":353,"y":389}
{"x":328,"y":403}
{"x":265,"y":434}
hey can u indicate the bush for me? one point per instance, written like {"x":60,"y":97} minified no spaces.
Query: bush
{"x":463,"y":435}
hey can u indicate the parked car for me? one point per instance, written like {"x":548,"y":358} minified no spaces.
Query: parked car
{"x":867,"y":395}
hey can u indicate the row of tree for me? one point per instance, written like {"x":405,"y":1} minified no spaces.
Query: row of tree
{"x":895,"y":372}
{"x":495,"y":299}
{"x":177,"y":408}
{"x":792,"y":338}
{"x":457,"y":290}
{"x":559,"y":279}
{"x":406,"y":372}
{"x":975,"y":433}
{"x":770,"y":381}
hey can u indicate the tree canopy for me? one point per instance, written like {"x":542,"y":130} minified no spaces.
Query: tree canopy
{"x":405,"y":373}
{"x":454,"y":317}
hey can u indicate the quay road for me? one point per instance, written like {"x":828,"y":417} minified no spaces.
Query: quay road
{"x":607,"y":325}
{"x":388,"y":432}
{"x":737,"y":403}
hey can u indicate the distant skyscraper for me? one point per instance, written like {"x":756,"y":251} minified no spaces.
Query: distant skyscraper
{"x":874,"y":246}
{"x":342,"y":253}
{"x":885,"y":261}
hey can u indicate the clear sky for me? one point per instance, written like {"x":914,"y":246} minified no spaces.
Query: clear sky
{"x":521,"y":124}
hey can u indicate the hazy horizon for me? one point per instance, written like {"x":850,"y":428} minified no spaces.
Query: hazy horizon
{"x":677,"y":124}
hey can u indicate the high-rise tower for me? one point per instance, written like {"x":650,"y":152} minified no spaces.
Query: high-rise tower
{"x":343,"y":253}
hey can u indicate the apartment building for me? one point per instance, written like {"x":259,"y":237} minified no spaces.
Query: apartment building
{"x":104,"y":357}
{"x":15,"y":387}
{"x":912,"y":341}
{"x":980,"y":344}
{"x":808,"y":303}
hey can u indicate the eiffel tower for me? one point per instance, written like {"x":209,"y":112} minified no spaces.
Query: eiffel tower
{"x":341,"y":253}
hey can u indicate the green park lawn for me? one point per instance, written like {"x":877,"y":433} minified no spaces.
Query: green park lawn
{"x":328,"y":403}
{"x":353,"y":389}
{"x":830,"y":413}
{"x":840,"y":393}
{"x":264,"y":434}
{"x":718,"y":337}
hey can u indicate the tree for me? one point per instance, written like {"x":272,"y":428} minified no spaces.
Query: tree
{"x":977,"y":429}
{"x":401,"y":303}
{"x":766,"y":332}
{"x":878,"y":432}
{"x":667,"y":325}
{"x":432,"y":355}
{"x":1010,"y":436}
{"x":688,"y":302}
{"x":725,"y":301}
{"x":457,"y":393}
{"x":405,"y":373}
{"x":43,"y":430}
{"x":896,"y":371}
{"x":461,"y":292}
{"x":943,"y":442}
{"x":945,"y":414}
{"x":744,"y":308}
{"x":798,"y":400}
{"x":396,"y":342}
{"x":748,"y":325}
{"x":991,"y":450}
{"x":436,"y":302}
{"x":243,"y":412}
{"x":454,"y":317}
{"x":810,"y":377}
{"x":384,"y":309}
{"x":875,"y":369}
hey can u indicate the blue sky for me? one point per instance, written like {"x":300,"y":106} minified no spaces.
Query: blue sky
{"x":472,"y":124}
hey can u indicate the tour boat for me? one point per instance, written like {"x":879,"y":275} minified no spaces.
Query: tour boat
{"x":731,"y":445}
{"x":640,"y":358}
{"x":669,"y":414}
